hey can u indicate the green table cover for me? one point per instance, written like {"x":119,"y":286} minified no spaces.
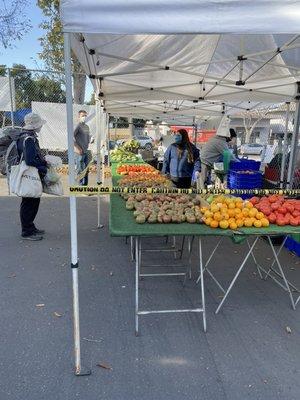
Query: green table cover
{"x":122,"y":223}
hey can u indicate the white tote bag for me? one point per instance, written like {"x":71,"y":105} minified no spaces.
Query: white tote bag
{"x":24,"y":181}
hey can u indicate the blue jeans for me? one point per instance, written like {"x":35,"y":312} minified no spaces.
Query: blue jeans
{"x":81,"y":162}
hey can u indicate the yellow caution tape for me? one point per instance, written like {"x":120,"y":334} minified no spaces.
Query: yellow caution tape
{"x":102,"y":190}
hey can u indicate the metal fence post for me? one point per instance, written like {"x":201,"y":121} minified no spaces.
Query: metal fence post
{"x":11,"y":99}
{"x":294,"y":144}
{"x":285,"y":140}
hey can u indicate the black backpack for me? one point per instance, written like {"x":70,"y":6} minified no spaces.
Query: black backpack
{"x":9,"y":150}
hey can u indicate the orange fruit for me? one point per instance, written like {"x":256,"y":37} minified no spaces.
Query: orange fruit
{"x":252,"y":219}
{"x":231,"y":220}
{"x":225,"y":217}
{"x":214,"y":208}
{"x":223,"y":224}
{"x":203,"y":209}
{"x":233,"y":225}
{"x":248,"y":222}
{"x":214,"y":224}
{"x":239,"y":200}
{"x":237,"y":212}
{"x":245,"y":212}
{"x":231,"y":205}
{"x":257,"y":223}
{"x":239,"y":205}
{"x":231,"y":212}
{"x":208,"y":221}
{"x":224,"y":206}
{"x":239,"y":223}
{"x":208,"y":214}
{"x":260,"y":215}
{"x":249,"y":205}
{"x":217,"y":216}
{"x":252,"y":212}
{"x":265,"y":222}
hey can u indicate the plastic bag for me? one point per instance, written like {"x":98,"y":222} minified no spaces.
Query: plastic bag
{"x":54,"y":161}
{"x":51,"y":177}
{"x":56,"y":189}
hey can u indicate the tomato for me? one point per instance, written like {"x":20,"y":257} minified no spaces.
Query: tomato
{"x":280,"y":221}
{"x":266,"y":210}
{"x":254,"y":200}
{"x":272,"y":199}
{"x":296,"y":213}
{"x":294,"y":221}
{"x":275,"y":206}
{"x":272,"y":218}
{"x":289,"y":207}
{"x":282,"y":210}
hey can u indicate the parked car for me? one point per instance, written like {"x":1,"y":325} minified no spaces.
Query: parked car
{"x":145,"y":142}
{"x":251,"y":148}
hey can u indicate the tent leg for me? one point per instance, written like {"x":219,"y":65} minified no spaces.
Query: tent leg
{"x":79,"y":369}
{"x":285,"y":140}
{"x":11,"y":99}
{"x":98,"y":132}
{"x":294,"y":144}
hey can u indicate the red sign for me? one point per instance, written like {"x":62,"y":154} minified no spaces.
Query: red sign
{"x":203,"y":135}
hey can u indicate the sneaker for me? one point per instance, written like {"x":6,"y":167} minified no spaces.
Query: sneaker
{"x":33,"y":237}
{"x":39,"y":231}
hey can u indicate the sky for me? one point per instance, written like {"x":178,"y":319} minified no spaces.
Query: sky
{"x":25,"y":51}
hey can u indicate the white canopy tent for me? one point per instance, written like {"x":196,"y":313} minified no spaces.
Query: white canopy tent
{"x":166,"y":57}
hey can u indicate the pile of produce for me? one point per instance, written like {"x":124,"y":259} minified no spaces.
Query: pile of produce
{"x":133,"y":169}
{"x":131,"y":145}
{"x":278,"y":210}
{"x":144,"y":180}
{"x":172,"y":208}
{"x":122,"y":155}
{"x":233,"y":213}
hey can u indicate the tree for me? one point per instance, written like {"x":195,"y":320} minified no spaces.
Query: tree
{"x":29,"y":88}
{"x":53,"y":47}
{"x":251,"y":119}
{"x":48,"y":90}
{"x":13,"y":21}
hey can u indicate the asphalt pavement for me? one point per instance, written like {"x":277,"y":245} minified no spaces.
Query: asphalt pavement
{"x":250,"y":351}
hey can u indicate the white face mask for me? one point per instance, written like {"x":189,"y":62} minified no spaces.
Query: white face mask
{"x":82,"y":118}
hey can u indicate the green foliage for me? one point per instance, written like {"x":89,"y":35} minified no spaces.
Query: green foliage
{"x":13,"y":22}
{"x":30,"y":88}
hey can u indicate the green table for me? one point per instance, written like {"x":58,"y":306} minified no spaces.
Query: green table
{"x":122,"y":223}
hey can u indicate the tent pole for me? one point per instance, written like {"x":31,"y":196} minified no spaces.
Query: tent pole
{"x":284,"y":150}
{"x":11,"y":99}
{"x":294,"y":144}
{"x":73,"y":216}
{"x":98,"y":129}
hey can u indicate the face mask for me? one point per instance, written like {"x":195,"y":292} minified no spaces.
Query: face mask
{"x":82,"y":119}
{"x":178,"y":138}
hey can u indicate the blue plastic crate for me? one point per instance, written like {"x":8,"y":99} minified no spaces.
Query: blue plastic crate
{"x":239,"y":180}
{"x":244,"y":165}
{"x":292,"y":245}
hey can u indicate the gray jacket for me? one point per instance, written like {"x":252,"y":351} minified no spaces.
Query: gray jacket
{"x":213,"y":150}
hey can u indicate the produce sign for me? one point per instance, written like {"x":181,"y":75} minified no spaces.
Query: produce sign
{"x":279,"y":210}
{"x":129,"y":169}
{"x":122,"y":155}
{"x":233,"y":213}
{"x":165,"y":208}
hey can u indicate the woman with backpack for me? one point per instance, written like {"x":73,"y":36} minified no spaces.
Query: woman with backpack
{"x":181,"y":160}
{"x":28,"y":146}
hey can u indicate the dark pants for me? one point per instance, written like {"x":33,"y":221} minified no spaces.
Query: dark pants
{"x":81,"y":162}
{"x":182,"y":183}
{"x":28,"y":210}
